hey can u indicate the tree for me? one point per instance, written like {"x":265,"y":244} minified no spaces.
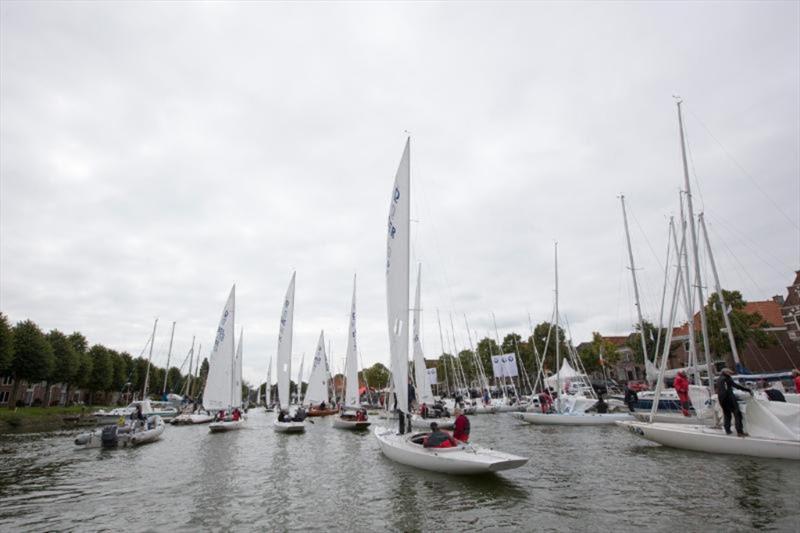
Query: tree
{"x":377,"y":376}
{"x":102,"y":370}
{"x":67,"y":360}
{"x":33,"y":356}
{"x":745,"y":326}
{"x":175,"y":380}
{"x":201,"y":380}
{"x":486,"y":349}
{"x":121,"y":370}
{"x":466,"y":359}
{"x":6,"y":344}
{"x":590,"y":354}
{"x":634,"y":342}
{"x":540,"y":339}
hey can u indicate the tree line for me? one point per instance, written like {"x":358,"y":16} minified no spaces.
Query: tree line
{"x":27,"y":353}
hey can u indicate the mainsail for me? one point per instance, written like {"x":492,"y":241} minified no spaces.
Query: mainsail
{"x":351,"y":396}
{"x":317,"y":390}
{"x":397,"y":272}
{"x":217,"y":392}
{"x":424,"y":393}
{"x":285,"y":346}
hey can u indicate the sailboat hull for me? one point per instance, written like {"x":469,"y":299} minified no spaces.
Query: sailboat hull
{"x":573,"y":419}
{"x":221,"y":427}
{"x":711,"y":440}
{"x":288,"y":427}
{"x":462,"y":460}
{"x":418,"y":422}
{"x":673,"y":418}
{"x":354,"y":425}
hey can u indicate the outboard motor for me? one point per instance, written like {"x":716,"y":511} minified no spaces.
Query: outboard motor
{"x":109,"y":437}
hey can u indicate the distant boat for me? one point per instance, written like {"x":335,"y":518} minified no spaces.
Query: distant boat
{"x":120,"y":436}
{"x":353,"y":416}
{"x":407,"y":448}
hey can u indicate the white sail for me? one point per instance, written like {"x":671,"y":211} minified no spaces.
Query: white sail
{"x":268,"y":386}
{"x":397,"y":270}
{"x":300,"y":379}
{"x":285,"y":346}
{"x":217,"y":392}
{"x":236,"y":387}
{"x":351,"y":396}
{"x":317,"y":390}
{"x":424,"y":393}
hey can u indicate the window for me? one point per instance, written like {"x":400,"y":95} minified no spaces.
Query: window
{"x":6,"y":380}
{"x":4,"y":397}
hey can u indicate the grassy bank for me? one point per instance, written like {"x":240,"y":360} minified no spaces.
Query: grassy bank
{"x":24,"y":419}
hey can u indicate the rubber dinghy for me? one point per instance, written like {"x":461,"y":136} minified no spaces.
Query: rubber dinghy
{"x":122,"y":436}
{"x":464,"y":459}
{"x":573,"y":419}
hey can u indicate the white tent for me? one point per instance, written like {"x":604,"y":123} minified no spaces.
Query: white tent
{"x":566,"y":374}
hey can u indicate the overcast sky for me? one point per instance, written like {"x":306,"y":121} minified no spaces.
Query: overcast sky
{"x":153,"y":154}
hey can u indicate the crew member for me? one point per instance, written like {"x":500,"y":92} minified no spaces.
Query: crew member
{"x":681,"y":385}
{"x":461,"y":431}
{"x":727,"y":400}
{"x":438,"y":438}
{"x":796,"y":379}
{"x":631,"y":398}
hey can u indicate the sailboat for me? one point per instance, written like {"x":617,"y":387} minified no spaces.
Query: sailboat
{"x":268,"y":388}
{"x":570,"y":409}
{"x":219,"y":393}
{"x":353,"y":416}
{"x":407,"y":448}
{"x":317,"y":392}
{"x":423,"y":385}
{"x":284,"y":424}
{"x":772,"y":428}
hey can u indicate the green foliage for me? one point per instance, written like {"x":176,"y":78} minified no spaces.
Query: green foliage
{"x":590,"y":354}
{"x":746,"y":326}
{"x":33,"y":356}
{"x":139,"y":374}
{"x":85,"y":367}
{"x":102,"y":368}
{"x":6,"y":344}
{"x":175,"y":380}
{"x":634,"y":341}
{"x":377,"y":376}
{"x":121,"y":370}
{"x":540,"y":339}
{"x":79,"y":343}
{"x":67,"y":360}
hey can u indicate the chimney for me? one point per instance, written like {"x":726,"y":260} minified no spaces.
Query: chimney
{"x":778,"y":299}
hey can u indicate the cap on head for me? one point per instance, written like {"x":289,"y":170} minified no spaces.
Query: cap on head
{"x":434,"y":426}
{"x":727,"y":371}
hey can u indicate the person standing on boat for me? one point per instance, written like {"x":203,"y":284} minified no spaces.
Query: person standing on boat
{"x":631,"y":398}
{"x":727,"y":400}
{"x":796,"y":379}
{"x":601,"y":406}
{"x":681,"y":385}
{"x":461,"y":429}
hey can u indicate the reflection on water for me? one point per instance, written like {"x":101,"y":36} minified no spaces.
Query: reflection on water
{"x":577,"y":479}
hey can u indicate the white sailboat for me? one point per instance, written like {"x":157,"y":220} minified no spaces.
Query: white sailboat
{"x":350,"y":417}
{"x":570,"y":409}
{"x":318,"y":390}
{"x":284,"y":424}
{"x":218,"y":394}
{"x":268,"y":387}
{"x":407,"y":448}
{"x":772,"y":428}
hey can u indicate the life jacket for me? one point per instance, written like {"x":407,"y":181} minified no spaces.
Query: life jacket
{"x":437,"y":440}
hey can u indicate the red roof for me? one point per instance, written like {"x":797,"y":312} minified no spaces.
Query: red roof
{"x":768,"y":309}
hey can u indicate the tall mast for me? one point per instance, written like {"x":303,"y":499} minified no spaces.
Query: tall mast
{"x":697,"y":279}
{"x":686,"y":292}
{"x":149,"y":358}
{"x":558,"y":337}
{"x":197,"y":367}
{"x":191,"y":361}
{"x":635,"y":285}
{"x":718,"y":288}
{"x":169,"y":354}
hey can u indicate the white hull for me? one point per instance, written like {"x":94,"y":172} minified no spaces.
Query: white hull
{"x":499,"y":408}
{"x":484,"y":410}
{"x":461,"y":460}
{"x":341,"y":423}
{"x":185,"y":420}
{"x":573,"y":419}
{"x":672,"y":418}
{"x":288,"y":427}
{"x":418,"y":422}
{"x":220,"y":427}
{"x":710,"y":440}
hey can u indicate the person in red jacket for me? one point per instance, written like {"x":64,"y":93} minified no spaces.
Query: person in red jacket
{"x":681,"y":385}
{"x":796,"y":378}
{"x":461,"y":429}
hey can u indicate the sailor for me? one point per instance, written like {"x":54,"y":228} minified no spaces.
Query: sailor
{"x":438,"y":438}
{"x":601,"y":406}
{"x":727,"y":400}
{"x":423,"y":410}
{"x":681,"y":385}
{"x":461,"y":431}
{"x":796,"y":379}
{"x":282,"y":416}
{"x":236,"y":414}
{"x":137,"y":414}
{"x":631,"y":398}
{"x":546,"y":400}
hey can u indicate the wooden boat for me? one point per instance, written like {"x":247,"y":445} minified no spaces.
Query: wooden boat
{"x":321,"y":412}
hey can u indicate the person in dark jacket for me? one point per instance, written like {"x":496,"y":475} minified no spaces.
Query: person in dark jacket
{"x":438,"y":438}
{"x":727,"y":400}
{"x":601,"y":405}
{"x":631,"y":398}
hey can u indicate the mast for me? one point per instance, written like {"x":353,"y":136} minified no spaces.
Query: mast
{"x":697,"y":278}
{"x":441,"y":343}
{"x":663,"y":299}
{"x":191,"y":361}
{"x":718,"y":288}
{"x":169,"y":354}
{"x":635,"y":284}
{"x":149,"y":358}
{"x":680,"y":254}
{"x":558,"y":338}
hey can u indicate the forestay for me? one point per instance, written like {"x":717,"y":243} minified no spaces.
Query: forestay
{"x":217,"y":392}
